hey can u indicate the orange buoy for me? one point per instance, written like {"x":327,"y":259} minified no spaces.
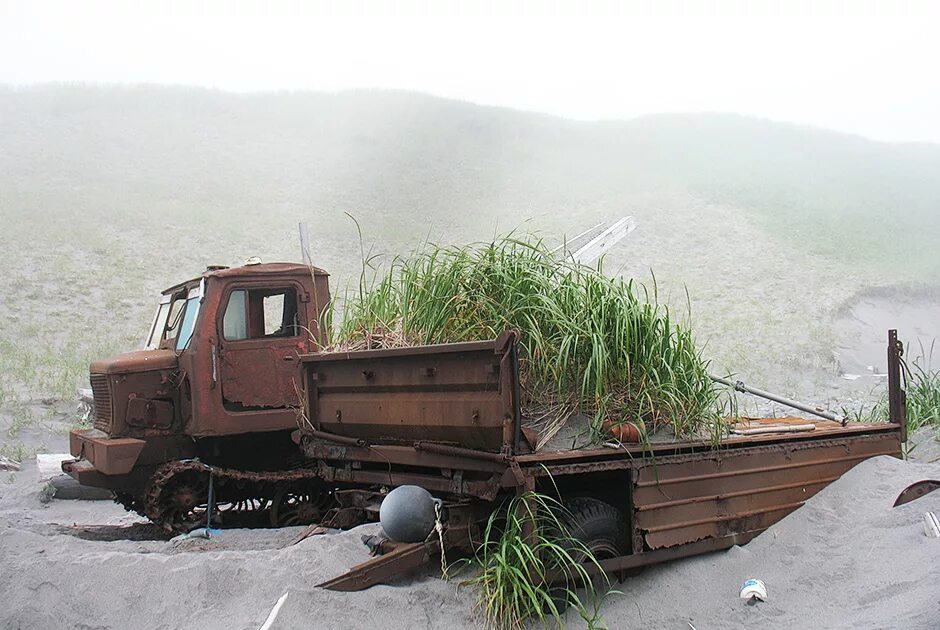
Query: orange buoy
{"x":626,"y":432}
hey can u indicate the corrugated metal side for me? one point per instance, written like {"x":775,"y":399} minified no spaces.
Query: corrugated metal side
{"x":683,"y":498}
{"x":102,"y":395}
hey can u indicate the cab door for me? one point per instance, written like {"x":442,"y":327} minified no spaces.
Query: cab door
{"x":261,"y":336}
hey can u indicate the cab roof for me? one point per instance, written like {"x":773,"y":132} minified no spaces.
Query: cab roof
{"x":259,"y":269}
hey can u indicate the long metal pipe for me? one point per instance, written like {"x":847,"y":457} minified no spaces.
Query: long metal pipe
{"x":457,"y":451}
{"x":741,"y":387}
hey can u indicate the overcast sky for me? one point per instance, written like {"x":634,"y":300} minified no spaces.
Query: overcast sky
{"x":874,"y":71}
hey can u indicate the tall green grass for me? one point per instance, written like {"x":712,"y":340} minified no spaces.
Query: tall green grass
{"x":516,"y":565}
{"x":922,"y":392}
{"x":588,"y":341}
{"x":923,"y":398}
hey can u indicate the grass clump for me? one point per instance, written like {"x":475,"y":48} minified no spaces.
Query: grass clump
{"x":923,"y":398}
{"x":588,"y":342}
{"x":922,"y":392}
{"x":515,"y":568}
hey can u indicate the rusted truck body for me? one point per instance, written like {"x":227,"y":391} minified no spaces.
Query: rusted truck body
{"x":232,"y":417}
{"x":447,"y":418}
{"x":217,"y":382}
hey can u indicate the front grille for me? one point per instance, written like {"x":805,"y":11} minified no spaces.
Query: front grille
{"x":102,"y":395}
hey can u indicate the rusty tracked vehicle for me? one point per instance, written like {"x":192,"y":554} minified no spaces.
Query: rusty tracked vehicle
{"x":230,"y":412}
{"x":217,"y":384}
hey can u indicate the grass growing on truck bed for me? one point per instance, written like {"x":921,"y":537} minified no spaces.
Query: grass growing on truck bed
{"x":588,"y":342}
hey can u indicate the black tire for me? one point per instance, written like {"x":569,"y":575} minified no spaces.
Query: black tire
{"x":599,"y":525}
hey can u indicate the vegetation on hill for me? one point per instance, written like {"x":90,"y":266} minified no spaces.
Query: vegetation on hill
{"x":122,"y":152}
{"x":109,"y":193}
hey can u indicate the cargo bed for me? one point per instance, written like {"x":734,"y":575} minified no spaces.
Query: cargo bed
{"x":447,"y":418}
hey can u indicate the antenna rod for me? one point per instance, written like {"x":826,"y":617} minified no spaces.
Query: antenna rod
{"x":304,"y":244}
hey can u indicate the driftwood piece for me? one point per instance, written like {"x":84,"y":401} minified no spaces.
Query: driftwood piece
{"x":314,"y":529}
{"x":9,"y":464}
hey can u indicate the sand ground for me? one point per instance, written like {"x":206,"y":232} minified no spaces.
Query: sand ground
{"x":846,"y":559}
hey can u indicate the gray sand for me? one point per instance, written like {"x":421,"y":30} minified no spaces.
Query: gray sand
{"x":846,"y":559}
{"x":925,"y":445}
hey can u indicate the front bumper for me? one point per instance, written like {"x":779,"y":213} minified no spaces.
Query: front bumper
{"x":98,"y":454}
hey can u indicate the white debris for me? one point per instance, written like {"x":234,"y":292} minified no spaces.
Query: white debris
{"x":931,"y":525}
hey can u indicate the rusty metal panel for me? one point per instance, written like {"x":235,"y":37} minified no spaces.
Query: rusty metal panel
{"x":916,"y":490}
{"x":261,"y":372}
{"x":380,"y":569}
{"x":148,"y":413}
{"x":684,"y":498}
{"x":134,"y":393}
{"x":110,"y":456}
{"x":405,"y":455}
{"x":464,"y":418}
{"x":449,"y":393}
{"x":661,"y":449}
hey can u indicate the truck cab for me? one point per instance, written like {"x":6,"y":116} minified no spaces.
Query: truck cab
{"x":218,"y":377}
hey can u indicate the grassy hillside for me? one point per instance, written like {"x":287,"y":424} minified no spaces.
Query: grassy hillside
{"x":145,"y":155}
{"x":864,"y":201}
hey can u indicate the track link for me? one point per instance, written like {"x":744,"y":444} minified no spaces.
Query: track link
{"x":177,"y":497}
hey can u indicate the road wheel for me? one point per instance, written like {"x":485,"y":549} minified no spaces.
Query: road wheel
{"x":599,"y":525}
{"x":601,"y":528}
{"x":294,"y":506}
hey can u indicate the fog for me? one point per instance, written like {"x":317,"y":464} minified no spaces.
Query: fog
{"x":781,"y":162}
{"x":864,"y":68}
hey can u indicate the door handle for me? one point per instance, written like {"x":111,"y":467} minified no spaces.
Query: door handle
{"x":215,"y":368}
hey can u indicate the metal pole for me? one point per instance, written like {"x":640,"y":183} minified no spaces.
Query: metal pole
{"x":741,"y":387}
{"x":209,"y":504}
{"x":897,"y":405}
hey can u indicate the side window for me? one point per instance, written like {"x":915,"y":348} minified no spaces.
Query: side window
{"x":273,"y":314}
{"x":256,"y":313}
{"x":159,"y":325}
{"x":234,"y":322}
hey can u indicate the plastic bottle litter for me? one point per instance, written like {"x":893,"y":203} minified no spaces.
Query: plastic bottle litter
{"x":199,"y":532}
{"x":753,"y":590}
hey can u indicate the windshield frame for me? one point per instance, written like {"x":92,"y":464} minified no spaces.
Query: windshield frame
{"x":158,"y":326}
{"x":189,"y":316}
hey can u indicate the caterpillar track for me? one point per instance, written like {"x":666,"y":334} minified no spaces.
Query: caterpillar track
{"x":178,"y":494}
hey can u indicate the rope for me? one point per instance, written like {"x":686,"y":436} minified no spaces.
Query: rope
{"x":439,"y":528}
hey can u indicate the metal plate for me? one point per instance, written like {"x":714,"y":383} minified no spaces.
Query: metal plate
{"x":916,"y":490}
{"x":450,"y":393}
{"x":684,"y":498}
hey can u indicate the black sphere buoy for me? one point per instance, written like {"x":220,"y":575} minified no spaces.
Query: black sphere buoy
{"x":407,"y":514}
